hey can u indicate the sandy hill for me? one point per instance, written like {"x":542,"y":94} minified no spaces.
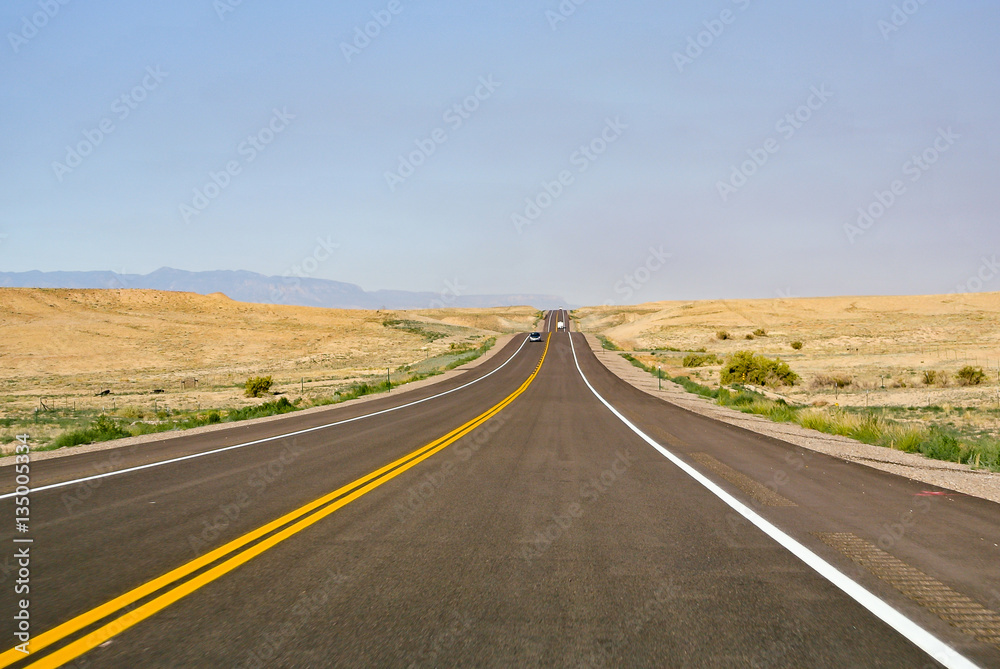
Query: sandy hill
{"x":967,"y":320}
{"x":101,"y":335}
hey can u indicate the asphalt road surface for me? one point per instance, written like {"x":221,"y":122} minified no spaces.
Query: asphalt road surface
{"x":506,"y":517}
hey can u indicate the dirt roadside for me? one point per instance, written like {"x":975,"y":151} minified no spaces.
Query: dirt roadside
{"x":958,"y":477}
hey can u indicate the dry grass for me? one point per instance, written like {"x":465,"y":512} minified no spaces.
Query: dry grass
{"x":874,"y":342}
{"x":62,"y":347}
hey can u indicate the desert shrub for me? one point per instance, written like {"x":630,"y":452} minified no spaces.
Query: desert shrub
{"x":942,"y":446}
{"x":214,"y":417}
{"x":760,"y":332}
{"x":258,"y":386}
{"x":868,"y":429}
{"x":907,"y":438}
{"x":815,"y":420}
{"x":749,"y":367}
{"x":696,"y":360}
{"x":102,"y":429}
{"x":723,"y":335}
{"x":832,"y":381}
{"x":797,"y":345}
{"x":971,"y":376}
{"x":930,"y":377}
{"x":749,"y":336}
{"x":267,"y":409}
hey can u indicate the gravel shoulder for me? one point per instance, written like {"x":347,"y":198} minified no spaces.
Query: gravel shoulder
{"x":502,"y":341}
{"x":954,"y":476}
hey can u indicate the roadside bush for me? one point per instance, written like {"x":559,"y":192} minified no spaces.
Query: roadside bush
{"x":102,"y":429}
{"x":829,"y":381}
{"x":797,"y":345}
{"x":971,"y":376}
{"x":815,"y":419}
{"x":930,"y":377}
{"x":749,"y":336}
{"x":723,"y":335}
{"x":760,"y":332}
{"x":942,"y":446}
{"x":267,"y":409}
{"x":695,"y":360}
{"x":258,"y":386}
{"x":749,"y":367}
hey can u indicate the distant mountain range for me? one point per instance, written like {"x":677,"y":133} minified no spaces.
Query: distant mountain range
{"x":252,"y":287}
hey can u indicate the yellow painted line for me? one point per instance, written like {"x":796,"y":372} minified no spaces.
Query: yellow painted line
{"x":367,"y":483}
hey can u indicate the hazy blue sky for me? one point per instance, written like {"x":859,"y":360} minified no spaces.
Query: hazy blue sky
{"x":182,"y":86}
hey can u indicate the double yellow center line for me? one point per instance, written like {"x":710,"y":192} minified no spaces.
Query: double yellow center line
{"x":296,"y":521}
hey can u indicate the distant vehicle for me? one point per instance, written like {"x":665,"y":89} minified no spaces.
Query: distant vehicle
{"x":560,"y":325}
{"x":535,"y":336}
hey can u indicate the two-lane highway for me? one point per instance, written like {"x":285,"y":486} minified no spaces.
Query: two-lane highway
{"x":514,"y":521}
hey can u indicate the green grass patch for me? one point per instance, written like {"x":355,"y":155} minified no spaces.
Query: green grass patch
{"x":279,"y":406}
{"x":700,"y":360}
{"x":607,"y":344}
{"x":414,"y":327}
{"x":874,"y":426}
{"x":103,"y":428}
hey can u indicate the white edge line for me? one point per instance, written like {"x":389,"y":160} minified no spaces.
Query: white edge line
{"x":261,"y":441}
{"x":930,"y":644}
